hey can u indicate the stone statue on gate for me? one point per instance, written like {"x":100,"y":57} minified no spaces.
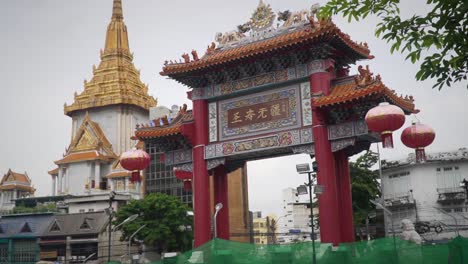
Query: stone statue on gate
{"x":409,"y":233}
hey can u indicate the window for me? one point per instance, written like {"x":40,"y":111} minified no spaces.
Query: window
{"x":55,"y":227}
{"x":85,"y":224}
{"x":90,"y":210}
{"x":448,"y":177}
{"x":26,"y":228}
{"x":160,"y":178}
{"x":458,"y":210}
{"x":82,"y":210}
{"x":456,"y":167}
{"x":438,"y":169}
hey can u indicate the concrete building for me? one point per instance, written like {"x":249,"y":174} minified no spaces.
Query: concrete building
{"x":104,"y":116}
{"x":72,"y":238}
{"x":262,"y":231}
{"x":293,"y":224}
{"x":14,"y":186}
{"x":430,"y":194}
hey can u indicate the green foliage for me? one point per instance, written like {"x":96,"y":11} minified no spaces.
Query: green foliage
{"x":442,"y":33}
{"x":164,"y":215}
{"x":364,"y":185}
{"x":40,"y":208}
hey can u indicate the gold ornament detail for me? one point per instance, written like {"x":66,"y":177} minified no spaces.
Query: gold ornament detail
{"x":262,"y":17}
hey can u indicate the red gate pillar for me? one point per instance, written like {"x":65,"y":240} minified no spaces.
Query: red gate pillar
{"x":201,"y":183}
{"x":344,"y":196}
{"x":221,"y":196}
{"x":328,"y":200}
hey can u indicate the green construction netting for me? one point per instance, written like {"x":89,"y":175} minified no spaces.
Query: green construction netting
{"x":382,"y":251}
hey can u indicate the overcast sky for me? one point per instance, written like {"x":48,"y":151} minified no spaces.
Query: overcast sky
{"x":49,"y":47}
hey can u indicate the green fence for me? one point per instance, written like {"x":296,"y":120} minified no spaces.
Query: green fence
{"x":382,"y":251}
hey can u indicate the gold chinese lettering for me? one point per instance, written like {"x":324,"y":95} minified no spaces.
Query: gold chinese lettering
{"x":275,"y":110}
{"x":249,"y":114}
{"x":262,"y":113}
{"x":236,"y":118}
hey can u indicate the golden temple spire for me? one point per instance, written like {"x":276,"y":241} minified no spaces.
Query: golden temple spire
{"x":116,"y":81}
{"x":117,"y":37}
{"x":117,"y":12}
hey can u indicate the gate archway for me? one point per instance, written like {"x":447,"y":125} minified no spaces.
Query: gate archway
{"x":267,"y":91}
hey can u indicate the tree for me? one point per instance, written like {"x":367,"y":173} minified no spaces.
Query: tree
{"x":364,"y":185}
{"x":40,"y":208}
{"x":165,"y":217}
{"x":442,"y":33}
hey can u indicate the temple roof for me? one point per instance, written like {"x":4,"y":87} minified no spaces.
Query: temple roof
{"x":90,"y":137}
{"x":16,"y":181}
{"x":162,"y":127}
{"x":361,"y":86}
{"x":54,"y":171}
{"x":118,"y":171}
{"x":84,"y":156}
{"x":299,"y":29}
{"x":12,"y":176}
{"x":116,"y":80}
{"x":89,"y":143}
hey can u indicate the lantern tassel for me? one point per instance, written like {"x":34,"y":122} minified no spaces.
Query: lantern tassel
{"x":387,"y":139}
{"x":420,"y":155}
{"x":188,"y":186}
{"x":135,"y":177}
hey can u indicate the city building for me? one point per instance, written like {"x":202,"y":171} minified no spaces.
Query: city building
{"x":103,"y":117}
{"x":74,"y":237}
{"x":14,"y":186}
{"x":431,"y":194}
{"x":294,"y":223}
{"x":263,"y":228}
{"x":20,"y":236}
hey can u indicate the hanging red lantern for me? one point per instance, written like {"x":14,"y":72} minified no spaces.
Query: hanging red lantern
{"x":135,"y":160}
{"x":384,"y":119}
{"x":185,"y":176}
{"x":187,"y":185}
{"x":418,"y":136}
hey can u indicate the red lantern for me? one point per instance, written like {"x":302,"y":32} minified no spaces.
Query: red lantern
{"x":135,"y":160}
{"x":418,"y":136}
{"x":185,"y":176}
{"x":385,"y":118}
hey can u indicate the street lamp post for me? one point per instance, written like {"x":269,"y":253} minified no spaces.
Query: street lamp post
{"x":111,"y":199}
{"x":303,"y":169}
{"x":130,"y":239}
{"x":277,"y":222}
{"x":218,"y":207}
{"x":379,"y":205}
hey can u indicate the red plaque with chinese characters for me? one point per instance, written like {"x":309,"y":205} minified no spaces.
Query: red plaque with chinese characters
{"x":258,"y":113}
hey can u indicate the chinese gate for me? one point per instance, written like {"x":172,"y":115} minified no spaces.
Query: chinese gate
{"x":267,"y":91}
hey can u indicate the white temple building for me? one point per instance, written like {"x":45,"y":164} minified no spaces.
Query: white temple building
{"x":14,"y":186}
{"x":104,"y":116}
{"x":432,"y":194}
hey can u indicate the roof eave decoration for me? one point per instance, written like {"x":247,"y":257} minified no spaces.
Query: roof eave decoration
{"x":90,"y":137}
{"x":84,"y":156}
{"x":182,"y":124}
{"x":298,"y":28}
{"x":362,"y":86}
